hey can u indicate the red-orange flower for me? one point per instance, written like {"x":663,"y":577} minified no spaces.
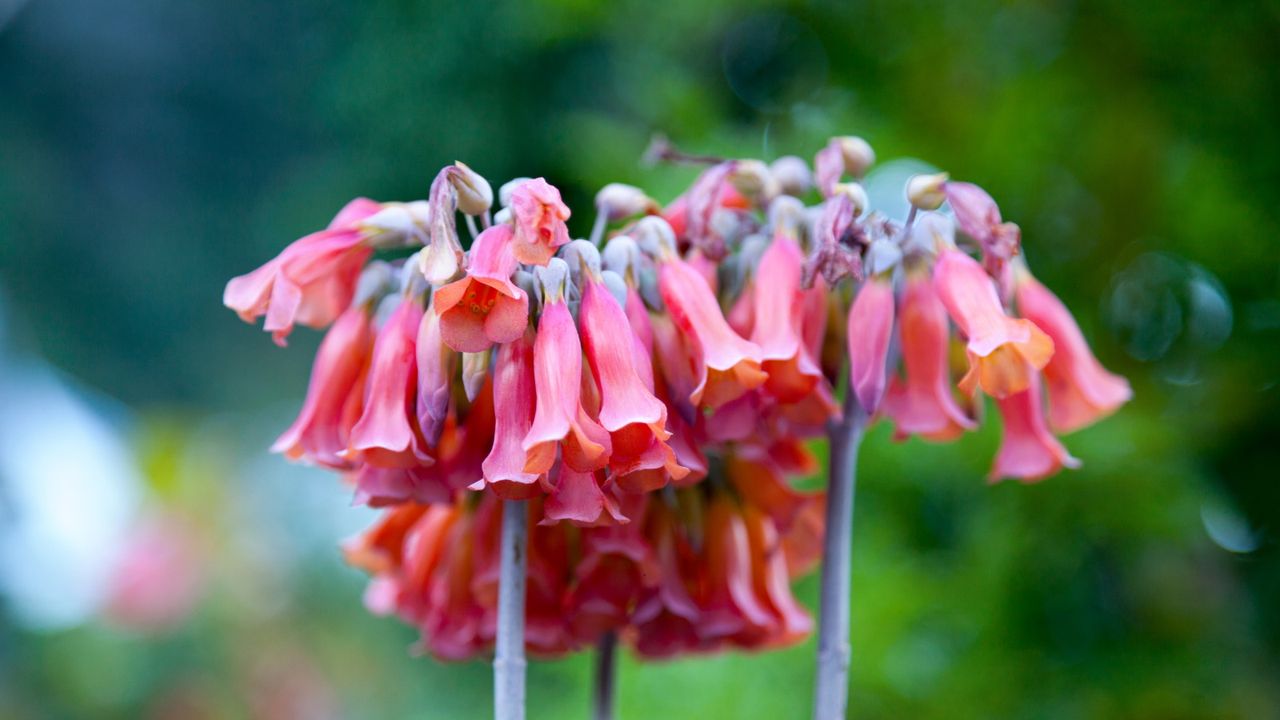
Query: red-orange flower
{"x":726,"y":365}
{"x":311,"y":281}
{"x":1028,"y":451}
{"x":484,"y":307}
{"x":1081,"y":391}
{"x":1003,"y":352}
{"x":923,"y":403}
{"x":335,"y":394}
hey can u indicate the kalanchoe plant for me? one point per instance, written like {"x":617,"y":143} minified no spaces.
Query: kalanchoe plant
{"x":583,"y":442}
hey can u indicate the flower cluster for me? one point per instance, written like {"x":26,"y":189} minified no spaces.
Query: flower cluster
{"x":652,"y":389}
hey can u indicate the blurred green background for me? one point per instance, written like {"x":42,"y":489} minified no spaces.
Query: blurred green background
{"x":149,"y":150}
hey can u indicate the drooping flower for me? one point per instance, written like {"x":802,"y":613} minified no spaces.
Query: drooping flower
{"x":729,"y":605}
{"x":561,"y":422}
{"x":922,"y":403}
{"x":1081,"y":391}
{"x":1028,"y":451}
{"x":540,"y":218}
{"x":335,"y":394}
{"x":581,"y":498}
{"x":387,"y":433}
{"x":776,"y":322}
{"x":869,"y":332}
{"x":312,"y":280}
{"x":1003,"y":352}
{"x":727,"y":365}
{"x":484,"y":307}
{"x":635,"y":419}
{"x":514,"y":403}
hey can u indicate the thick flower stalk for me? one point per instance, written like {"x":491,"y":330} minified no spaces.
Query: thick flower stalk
{"x":614,"y":424}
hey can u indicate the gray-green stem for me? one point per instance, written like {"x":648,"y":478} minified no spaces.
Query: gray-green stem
{"x":508,"y":659}
{"x":832,"y":683}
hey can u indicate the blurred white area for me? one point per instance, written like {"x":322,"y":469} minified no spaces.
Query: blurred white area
{"x":68,"y":489}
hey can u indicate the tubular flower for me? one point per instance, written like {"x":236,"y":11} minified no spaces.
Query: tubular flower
{"x":727,"y":365}
{"x":1003,"y":352}
{"x":635,"y":419}
{"x":1028,"y":451}
{"x":514,"y":402}
{"x":870,"y":327}
{"x":979,"y":218}
{"x":561,"y":422}
{"x":1081,"y":391}
{"x":312,"y":281}
{"x":922,"y":403}
{"x":776,"y":322}
{"x":539,"y":221}
{"x":387,"y":433}
{"x":484,"y":307}
{"x":335,"y":394}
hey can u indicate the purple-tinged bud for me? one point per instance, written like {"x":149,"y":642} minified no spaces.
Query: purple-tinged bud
{"x":925,"y":192}
{"x":617,"y":201}
{"x":792,"y":174}
{"x":655,"y":236}
{"x":616,"y":285}
{"x":475,"y":196}
{"x":621,"y":255}
{"x":581,"y":256}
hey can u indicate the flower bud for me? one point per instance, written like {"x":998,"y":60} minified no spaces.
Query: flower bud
{"x":787,"y":215}
{"x":621,"y":254}
{"x":581,"y":255}
{"x":617,"y":286}
{"x":857,"y":154}
{"x":504,"y":192}
{"x":376,"y":280}
{"x":753,"y":179}
{"x":554,"y":279}
{"x":655,"y":236}
{"x":617,"y":201}
{"x":926,"y":191}
{"x":475,"y":196}
{"x":856,"y":194}
{"x":792,"y":174}
{"x":475,"y":367}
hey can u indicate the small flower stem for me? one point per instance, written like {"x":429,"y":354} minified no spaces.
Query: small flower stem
{"x":597,"y":229}
{"x":832,"y":685}
{"x":606,"y":669}
{"x":508,"y":659}
{"x":471,"y":226}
